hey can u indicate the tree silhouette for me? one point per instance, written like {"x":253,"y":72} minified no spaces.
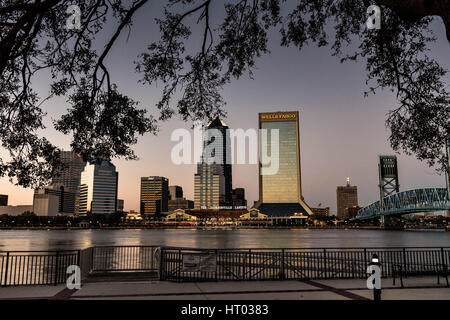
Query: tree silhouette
{"x":105,"y":123}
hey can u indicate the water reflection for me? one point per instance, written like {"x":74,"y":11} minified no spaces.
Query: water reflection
{"x":262,"y":238}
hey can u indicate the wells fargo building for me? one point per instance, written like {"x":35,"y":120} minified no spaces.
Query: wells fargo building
{"x":280,"y":194}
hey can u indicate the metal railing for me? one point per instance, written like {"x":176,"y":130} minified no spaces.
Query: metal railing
{"x":36,"y":267}
{"x":180,"y":264}
{"x":125,"y":258}
{"x":188,"y":264}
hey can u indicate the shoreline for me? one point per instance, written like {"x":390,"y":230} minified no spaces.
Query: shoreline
{"x":149,"y":227}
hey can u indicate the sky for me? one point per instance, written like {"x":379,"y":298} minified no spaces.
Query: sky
{"x":341,"y":131}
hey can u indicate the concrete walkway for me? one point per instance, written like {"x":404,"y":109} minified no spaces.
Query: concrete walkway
{"x":423,"y":288}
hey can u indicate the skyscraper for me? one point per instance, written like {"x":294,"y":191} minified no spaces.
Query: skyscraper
{"x":347,"y":197}
{"x":68,"y":178}
{"x":98,"y":189}
{"x":213,"y":180}
{"x":154,"y":195}
{"x":280,"y":188}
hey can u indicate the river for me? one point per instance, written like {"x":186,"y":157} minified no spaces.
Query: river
{"x":11,"y":240}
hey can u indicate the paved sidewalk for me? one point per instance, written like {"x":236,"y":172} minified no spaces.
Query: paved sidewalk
{"x":423,"y":288}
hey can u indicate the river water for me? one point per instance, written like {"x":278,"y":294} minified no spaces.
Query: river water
{"x":11,"y":240}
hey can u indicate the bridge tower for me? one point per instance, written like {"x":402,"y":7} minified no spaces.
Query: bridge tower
{"x":388,"y":178}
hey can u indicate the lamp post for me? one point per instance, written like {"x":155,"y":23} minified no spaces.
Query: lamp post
{"x":375,"y":269}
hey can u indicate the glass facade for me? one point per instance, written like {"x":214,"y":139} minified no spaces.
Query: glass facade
{"x":284,"y":185}
{"x":98,"y":189}
{"x":154,"y":195}
{"x":213,"y":180}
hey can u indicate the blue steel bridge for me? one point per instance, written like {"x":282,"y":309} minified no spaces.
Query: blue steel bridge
{"x":410,"y":201}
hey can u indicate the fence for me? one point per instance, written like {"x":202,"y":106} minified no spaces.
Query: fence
{"x":36,"y":267}
{"x":179,"y":264}
{"x":184,"y":264}
{"x":125,"y":258}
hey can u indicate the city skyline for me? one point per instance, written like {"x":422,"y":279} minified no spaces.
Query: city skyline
{"x":342,"y":133}
{"x":189,"y":193}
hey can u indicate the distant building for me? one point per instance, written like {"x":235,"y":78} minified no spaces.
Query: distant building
{"x":180,"y":204}
{"x":321,"y":212}
{"x":176,"y":192}
{"x":351,"y":212}
{"x":280,"y":187}
{"x":120,"y":205}
{"x":347,"y":197}
{"x":43,"y":200}
{"x":154,"y":195}
{"x":69,"y":175}
{"x":212,"y":182}
{"x":15,"y":210}
{"x":238,"y":198}
{"x":3,"y":200}
{"x":46,"y":204}
{"x":98,"y":189}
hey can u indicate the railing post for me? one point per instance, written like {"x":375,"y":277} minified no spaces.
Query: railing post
{"x":282,"y":265}
{"x":6,"y":270}
{"x":325,"y":263}
{"x":161,"y":259}
{"x":365,"y":260}
{"x":250,"y":264}
{"x":56,"y":268}
{"x":217,"y":258}
{"x":404,"y":261}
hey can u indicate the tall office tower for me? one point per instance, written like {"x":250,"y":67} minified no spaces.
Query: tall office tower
{"x":347,"y":197}
{"x":98,"y":189}
{"x":280,"y":188}
{"x":238,"y":198}
{"x":209,"y":186}
{"x":69,"y":176}
{"x":176,"y":192}
{"x":213,"y":180}
{"x":3,"y":199}
{"x":154,"y":195}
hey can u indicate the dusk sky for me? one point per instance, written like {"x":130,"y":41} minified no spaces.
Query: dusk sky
{"x":341,"y":131}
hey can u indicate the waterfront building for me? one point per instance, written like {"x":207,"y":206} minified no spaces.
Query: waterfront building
{"x":280,"y":190}
{"x":321,"y":212}
{"x":176,"y":192}
{"x":238,"y":198}
{"x":45,"y":204}
{"x":347,"y":197}
{"x":3,"y":200}
{"x":50,"y":202}
{"x":351,"y":212}
{"x":213,"y":180}
{"x":98,"y":189}
{"x":154,"y":195}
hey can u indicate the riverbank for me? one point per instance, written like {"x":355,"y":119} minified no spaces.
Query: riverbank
{"x":172,"y":227}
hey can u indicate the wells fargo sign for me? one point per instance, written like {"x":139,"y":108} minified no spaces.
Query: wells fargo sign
{"x":278,"y":116}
